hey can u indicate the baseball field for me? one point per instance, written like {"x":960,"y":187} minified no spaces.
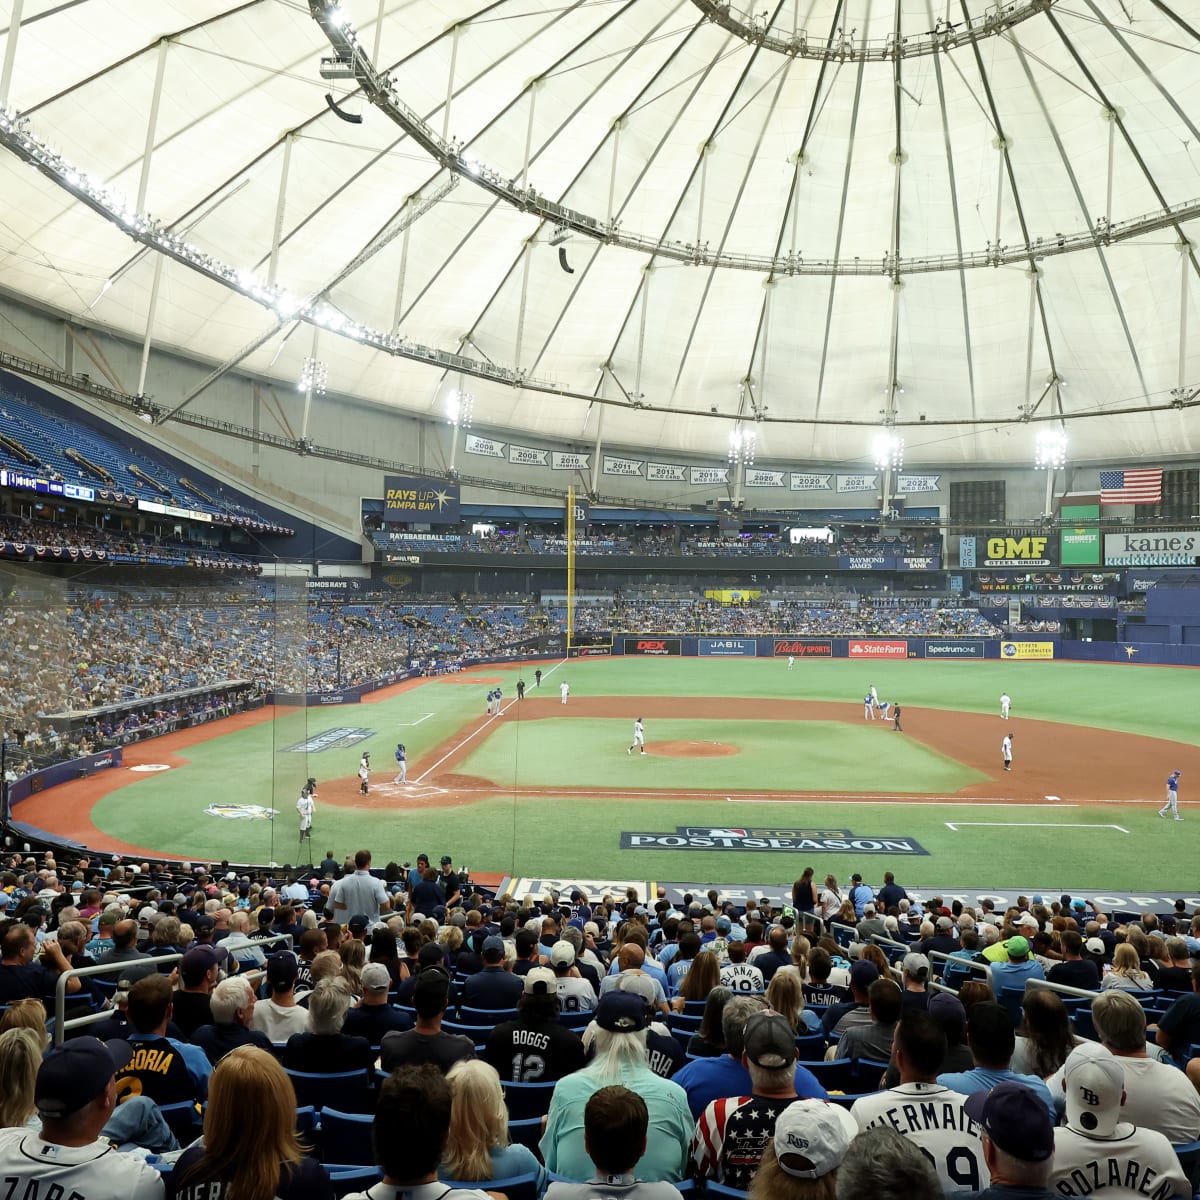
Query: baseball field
{"x":742,"y":746}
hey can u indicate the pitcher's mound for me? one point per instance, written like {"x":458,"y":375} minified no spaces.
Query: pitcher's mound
{"x":690,"y":749}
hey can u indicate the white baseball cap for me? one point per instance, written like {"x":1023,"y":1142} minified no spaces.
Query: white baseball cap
{"x":1095,"y":1088}
{"x":812,"y":1137}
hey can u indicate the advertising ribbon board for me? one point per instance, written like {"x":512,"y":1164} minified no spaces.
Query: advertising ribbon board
{"x":1026,"y":650}
{"x":412,"y":498}
{"x":657,"y":647}
{"x":802,"y":648}
{"x":727,"y":647}
{"x":877,"y":648}
{"x":953,"y":648}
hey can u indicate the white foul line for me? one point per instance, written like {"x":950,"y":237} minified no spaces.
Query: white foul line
{"x":452,"y":752}
{"x":954,"y":825}
{"x":410,"y":724}
{"x":940,"y":802}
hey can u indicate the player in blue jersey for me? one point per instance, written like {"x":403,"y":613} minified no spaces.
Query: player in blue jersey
{"x":1172,"y":804}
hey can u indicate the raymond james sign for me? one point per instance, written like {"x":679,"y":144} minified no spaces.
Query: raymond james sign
{"x":725,"y":837}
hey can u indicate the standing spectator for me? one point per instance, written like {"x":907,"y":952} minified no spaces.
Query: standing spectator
{"x":360,"y":892}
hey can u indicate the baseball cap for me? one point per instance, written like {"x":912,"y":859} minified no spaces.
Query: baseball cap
{"x":562,"y":954}
{"x":620,"y":1012}
{"x":1038,"y":900}
{"x":540,"y":981}
{"x":863,"y":974}
{"x":945,"y":923}
{"x":724,"y":925}
{"x":198,"y":961}
{"x":769,"y":1040}
{"x":1016,"y":1119}
{"x":637,"y":985}
{"x":812,"y":1137}
{"x":446,"y":860}
{"x":948,"y":1011}
{"x":856,"y":878}
{"x":1095,"y":1088}
{"x":914,"y":964}
{"x":1095,"y":945}
{"x":492,"y":946}
{"x":282,"y":969}
{"x":358,"y":923}
{"x":1077,"y":903}
{"x":1017,"y":947}
{"x":1027,"y":921}
{"x":202,"y":923}
{"x":375,"y":977}
{"x":76,"y":1073}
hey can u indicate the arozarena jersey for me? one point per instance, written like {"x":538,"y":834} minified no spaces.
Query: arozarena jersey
{"x":32,"y":1167}
{"x":1136,"y":1160}
{"x":933,"y":1118}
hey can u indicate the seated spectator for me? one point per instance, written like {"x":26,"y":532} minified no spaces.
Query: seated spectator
{"x":427,"y":1042}
{"x":375,"y":1016}
{"x":885,"y":1002}
{"x":75,"y":1095}
{"x":619,"y":1056}
{"x":1018,"y":968}
{"x":575,"y":994}
{"x":929,"y":1114}
{"x":20,"y":976}
{"x":1044,"y":1039}
{"x":615,"y":1126}
{"x":1127,"y":972}
{"x":323,"y":1048}
{"x":709,"y":1039}
{"x":536,"y":1047}
{"x":1096,"y":1150}
{"x":28,"y":1014}
{"x":840,"y":1017}
{"x":819,"y":992}
{"x":801,"y":1159}
{"x":477,"y":1148}
{"x":279,"y":1016}
{"x":199,"y":973}
{"x":493,"y":986}
{"x":165,"y":1069}
{"x":409,"y":1134}
{"x":733,"y":1132}
{"x":785,"y":994}
{"x":232,"y":1008}
{"x":881,"y":1164}
{"x":992,"y":1041}
{"x":1175,"y":971}
{"x":1179,"y":1027}
{"x":1074,"y":970}
{"x":1018,"y":1142}
{"x":250,"y":1147}
{"x":916,"y":970}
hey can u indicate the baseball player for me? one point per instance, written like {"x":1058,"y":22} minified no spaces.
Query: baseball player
{"x":1172,"y":803}
{"x":491,"y":699}
{"x":791,"y":661}
{"x":305,"y":807}
{"x":874,"y":696}
{"x":639,"y":736}
{"x":520,"y":689}
{"x":884,"y":708}
{"x":868,"y":708}
{"x":402,"y":763}
{"x":1006,"y":751}
{"x":364,"y":773}
{"x":537,"y":678}
{"x":1005,"y":704}
{"x":896,"y":719}
{"x":564,"y":690}
{"x":499,"y":702}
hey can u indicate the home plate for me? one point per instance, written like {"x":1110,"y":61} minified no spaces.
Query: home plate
{"x":416,"y":791}
{"x":1051,"y":797}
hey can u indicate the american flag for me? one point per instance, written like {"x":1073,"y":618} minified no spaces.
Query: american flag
{"x":1142,"y":486}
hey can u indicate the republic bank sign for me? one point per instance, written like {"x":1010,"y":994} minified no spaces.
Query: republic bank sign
{"x":1162,"y":548}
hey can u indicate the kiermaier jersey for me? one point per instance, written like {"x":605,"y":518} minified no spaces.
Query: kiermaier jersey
{"x":934,"y":1119}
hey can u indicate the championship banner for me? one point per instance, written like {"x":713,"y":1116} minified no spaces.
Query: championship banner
{"x":757,"y":478}
{"x":858,"y":483}
{"x":473,"y":444}
{"x":912,"y":484}
{"x":1026,"y":650}
{"x":527,"y":456}
{"x":411,"y":498}
{"x":801,"y":481}
{"x":622,"y":466}
{"x":708,"y":475}
{"x":666,"y":472}
{"x":560,"y":461}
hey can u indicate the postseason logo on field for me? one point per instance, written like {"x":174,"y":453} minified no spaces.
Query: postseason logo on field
{"x":332,"y":739}
{"x":764,"y":839}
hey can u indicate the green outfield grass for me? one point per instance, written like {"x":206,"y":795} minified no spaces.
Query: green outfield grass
{"x":811,"y":756}
{"x":561,"y":835}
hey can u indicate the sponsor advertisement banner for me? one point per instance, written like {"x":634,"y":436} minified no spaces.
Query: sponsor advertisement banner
{"x":802,"y":481}
{"x":919,"y":562}
{"x":527,"y":456}
{"x":63,"y":772}
{"x":724,"y":837}
{"x":727,"y":647}
{"x":590,"y":651}
{"x":1016,"y":550}
{"x":568,"y":462}
{"x":911,"y":484}
{"x":412,"y":498}
{"x":953,"y":647}
{"x":622,"y":466}
{"x":653,"y":646}
{"x":170,"y":510}
{"x":707,"y":476}
{"x":857,"y":483}
{"x":1080,"y":539}
{"x":876,"y":648}
{"x":802,"y":648}
{"x":1048,"y":581}
{"x":335,"y":585}
{"x":473,"y":444}
{"x":757,"y":478}
{"x":866,"y":562}
{"x":666,"y":472}
{"x":1026,"y":650}
{"x":1162,"y":548}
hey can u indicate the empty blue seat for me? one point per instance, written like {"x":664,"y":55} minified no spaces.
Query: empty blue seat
{"x":346,"y":1138}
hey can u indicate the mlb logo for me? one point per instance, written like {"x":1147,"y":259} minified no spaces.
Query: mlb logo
{"x":710,"y":831}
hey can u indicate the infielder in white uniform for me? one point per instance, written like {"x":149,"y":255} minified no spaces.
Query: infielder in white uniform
{"x":1006,"y":751}
{"x":1005,"y":704}
{"x":364,"y":773}
{"x":791,"y":661}
{"x":564,"y":690}
{"x":305,"y":807}
{"x":639,"y":736}
{"x":874,"y":696}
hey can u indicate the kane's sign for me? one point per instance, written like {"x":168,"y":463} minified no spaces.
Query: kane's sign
{"x":766,"y":839}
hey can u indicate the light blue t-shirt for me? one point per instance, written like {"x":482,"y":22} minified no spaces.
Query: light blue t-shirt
{"x":983,"y":1079}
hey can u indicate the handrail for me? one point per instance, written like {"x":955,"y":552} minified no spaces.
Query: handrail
{"x":60,"y":988}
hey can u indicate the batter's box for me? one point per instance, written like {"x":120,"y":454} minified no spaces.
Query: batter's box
{"x":420,"y":791}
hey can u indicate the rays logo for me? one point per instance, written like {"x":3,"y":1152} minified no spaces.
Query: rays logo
{"x":241,"y":812}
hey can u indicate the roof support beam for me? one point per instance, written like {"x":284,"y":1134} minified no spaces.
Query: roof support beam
{"x":10,"y":51}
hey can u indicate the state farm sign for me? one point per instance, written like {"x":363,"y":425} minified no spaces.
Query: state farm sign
{"x":877,"y":649}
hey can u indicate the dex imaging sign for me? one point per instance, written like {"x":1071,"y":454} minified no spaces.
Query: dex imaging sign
{"x":1162,"y":548}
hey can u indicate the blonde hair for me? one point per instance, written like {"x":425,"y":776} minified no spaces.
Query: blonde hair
{"x":326,"y":964}
{"x":478,"y":1120}
{"x":874,"y":954}
{"x":1126,"y":961}
{"x":772,"y":1182}
{"x":249,"y":1126}
{"x":20,"y":1057}
{"x":451,"y":937}
{"x":354,"y":956}
{"x":27,"y":1013}
{"x":785,"y":994}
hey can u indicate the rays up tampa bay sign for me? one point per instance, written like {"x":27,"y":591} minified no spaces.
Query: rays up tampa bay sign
{"x":769,"y":839}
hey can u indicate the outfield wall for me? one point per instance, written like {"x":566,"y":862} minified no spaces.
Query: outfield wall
{"x":880,"y":649}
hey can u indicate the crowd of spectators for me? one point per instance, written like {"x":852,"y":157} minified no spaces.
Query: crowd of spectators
{"x":860,"y":1036}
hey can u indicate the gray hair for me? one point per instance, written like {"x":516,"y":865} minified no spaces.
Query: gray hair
{"x":1019,"y":1171}
{"x":227,"y":997}
{"x":615,"y":1054}
{"x":1120,"y":1021}
{"x":882,"y":1164}
{"x":328,"y":1005}
{"x":733,"y":1021}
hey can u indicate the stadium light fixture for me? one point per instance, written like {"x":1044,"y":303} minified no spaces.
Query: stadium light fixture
{"x":313,"y":377}
{"x":889,"y":451}
{"x":459,"y":407}
{"x":1050,"y":450}
{"x":742,"y":446}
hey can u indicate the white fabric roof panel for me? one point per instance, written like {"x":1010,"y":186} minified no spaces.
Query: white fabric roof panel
{"x":647,"y":112}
